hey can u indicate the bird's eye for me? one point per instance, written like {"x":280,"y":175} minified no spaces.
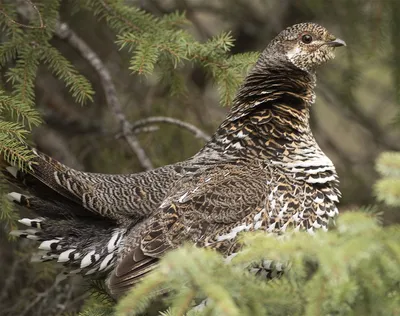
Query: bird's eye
{"x":306,"y":38}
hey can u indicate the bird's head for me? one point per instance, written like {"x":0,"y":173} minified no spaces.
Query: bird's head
{"x":306,"y":45}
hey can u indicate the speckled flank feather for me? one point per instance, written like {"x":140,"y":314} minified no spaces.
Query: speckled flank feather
{"x":262,"y":170}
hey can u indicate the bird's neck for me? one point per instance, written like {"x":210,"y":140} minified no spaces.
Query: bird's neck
{"x":270,"y":115}
{"x":269,"y":122}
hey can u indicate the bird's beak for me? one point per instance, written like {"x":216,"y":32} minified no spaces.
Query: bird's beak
{"x":336,"y":43}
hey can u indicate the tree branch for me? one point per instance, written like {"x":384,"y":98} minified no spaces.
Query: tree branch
{"x":64,"y":32}
{"x":11,"y":20}
{"x":198,"y":133}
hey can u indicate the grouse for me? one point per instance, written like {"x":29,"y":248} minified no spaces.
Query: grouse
{"x":262,"y":170}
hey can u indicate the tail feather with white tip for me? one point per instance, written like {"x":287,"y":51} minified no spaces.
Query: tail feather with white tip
{"x":67,"y":231}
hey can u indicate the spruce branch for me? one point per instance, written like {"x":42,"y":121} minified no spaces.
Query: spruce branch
{"x":353,"y":269}
{"x":19,"y":110}
{"x":64,"y":32}
{"x":137,"y":301}
{"x":13,"y":130}
{"x":79,"y":86}
{"x":9,"y":49}
{"x":162,"y":39}
{"x":387,"y":189}
{"x":8,"y":216}
{"x":11,"y":20}
{"x":118,"y":16}
{"x":22,"y":76}
{"x":388,"y":164}
{"x":14,"y":150}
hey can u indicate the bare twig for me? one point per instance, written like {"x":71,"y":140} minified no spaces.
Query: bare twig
{"x":71,"y":302}
{"x":140,"y":130}
{"x":11,"y":20}
{"x":198,"y":133}
{"x":63,"y":31}
{"x":40,"y":296}
{"x":11,"y":277}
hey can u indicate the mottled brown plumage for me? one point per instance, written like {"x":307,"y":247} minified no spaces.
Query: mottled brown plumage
{"x":262,"y":170}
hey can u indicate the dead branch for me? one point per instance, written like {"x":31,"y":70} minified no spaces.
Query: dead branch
{"x":64,"y":32}
{"x":34,"y":7}
{"x":198,"y":133}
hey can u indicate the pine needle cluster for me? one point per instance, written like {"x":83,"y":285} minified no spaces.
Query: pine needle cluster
{"x":352,"y":270}
{"x":388,"y":188}
{"x":25,"y":46}
{"x":163,"y":44}
{"x":159,"y":45}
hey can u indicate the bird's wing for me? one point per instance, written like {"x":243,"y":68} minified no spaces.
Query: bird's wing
{"x":200,"y":209}
{"x":211,"y":207}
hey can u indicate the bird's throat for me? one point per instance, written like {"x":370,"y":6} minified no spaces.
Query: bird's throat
{"x":271,"y":110}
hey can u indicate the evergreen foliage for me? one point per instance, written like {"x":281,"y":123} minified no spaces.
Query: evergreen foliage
{"x":388,"y":188}
{"x":24,"y":48}
{"x":153,"y":41}
{"x":164,"y":42}
{"x":352,"y":270}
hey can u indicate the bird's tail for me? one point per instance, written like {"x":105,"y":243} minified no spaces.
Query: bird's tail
{"x":68,"y":230}
{"x":44,"y":178}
